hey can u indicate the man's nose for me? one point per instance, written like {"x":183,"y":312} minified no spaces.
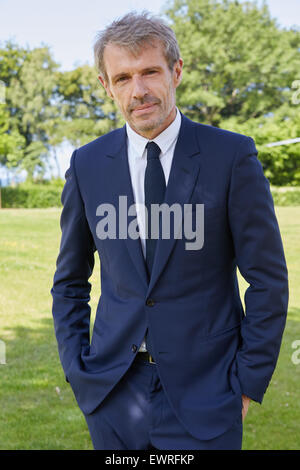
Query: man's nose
{"x":139,"y":88}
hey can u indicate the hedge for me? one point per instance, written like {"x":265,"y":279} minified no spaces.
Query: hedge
{"x":286,"y":196}
{"x":38,"y":196}
{"x":42,"y":196}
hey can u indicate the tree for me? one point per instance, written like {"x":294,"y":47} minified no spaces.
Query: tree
{"x":84,"y":107}
{"x":239,"y":71}
{"x":281,"y":163}
{"x":11,"y":145}
{"x":47,"y":106}
{"x":237,"y":61}
{"x":29,"y":76}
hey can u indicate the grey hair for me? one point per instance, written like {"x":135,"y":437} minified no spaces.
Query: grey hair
{"x":132,"y":31}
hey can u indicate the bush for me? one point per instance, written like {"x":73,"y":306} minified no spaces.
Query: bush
{"x":30,"y":195}
{"x":289,"y":196}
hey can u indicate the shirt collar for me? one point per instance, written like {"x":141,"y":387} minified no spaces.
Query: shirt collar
{"x":164,"y":140}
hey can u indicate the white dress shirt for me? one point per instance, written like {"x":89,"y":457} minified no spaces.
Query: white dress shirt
{"x":137,"y":160}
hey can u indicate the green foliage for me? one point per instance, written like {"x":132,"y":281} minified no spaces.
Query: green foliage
{"x":11,"y":144}
{"x":281,"y":163}
{"x":286,"y":196}
{"x":45,"y":107}
{"x":30,"y":195}
{"x":29,"y":77}
{"x":84,"y":107}
{"x":237,"y":61}
{"x":46,"y":193}
{"x":240,"y":69}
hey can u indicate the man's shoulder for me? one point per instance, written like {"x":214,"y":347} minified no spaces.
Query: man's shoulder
{"x":106,"y":143}
{"x":216,"y":135}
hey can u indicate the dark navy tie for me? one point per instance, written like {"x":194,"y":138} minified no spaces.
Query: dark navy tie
{"x":155,"y":188}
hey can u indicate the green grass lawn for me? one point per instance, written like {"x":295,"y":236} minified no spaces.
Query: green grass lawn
{"x":38,"y":410}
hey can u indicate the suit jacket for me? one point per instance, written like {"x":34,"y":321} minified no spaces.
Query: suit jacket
{"x":208,"y":350}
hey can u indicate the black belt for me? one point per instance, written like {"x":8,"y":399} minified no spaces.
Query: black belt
{"x":145,"y":356}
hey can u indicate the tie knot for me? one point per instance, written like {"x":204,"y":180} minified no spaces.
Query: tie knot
{"x":153,"y":150}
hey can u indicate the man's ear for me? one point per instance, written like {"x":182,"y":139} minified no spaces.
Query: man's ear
{"x":178,"y":72}
{"x":105,"y":86}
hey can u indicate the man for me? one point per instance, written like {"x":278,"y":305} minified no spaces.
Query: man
{"x":173,"y":361}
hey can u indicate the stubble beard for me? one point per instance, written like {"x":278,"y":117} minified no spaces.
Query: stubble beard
{"x":150,"y":124}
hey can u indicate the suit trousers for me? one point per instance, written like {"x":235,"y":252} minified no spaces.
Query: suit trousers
{"x":136,"y":415}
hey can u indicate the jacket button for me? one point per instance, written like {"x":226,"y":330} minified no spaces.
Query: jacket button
{"x":134,"y":348}
{"x":150,"y":302}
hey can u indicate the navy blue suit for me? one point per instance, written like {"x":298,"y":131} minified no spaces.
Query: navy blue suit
{"x":208,"y":351}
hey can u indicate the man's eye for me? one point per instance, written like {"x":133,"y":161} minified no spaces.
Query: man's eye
{"x":121,"y":79}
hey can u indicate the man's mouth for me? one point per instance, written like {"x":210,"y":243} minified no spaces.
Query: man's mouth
{"x":145,"y":108}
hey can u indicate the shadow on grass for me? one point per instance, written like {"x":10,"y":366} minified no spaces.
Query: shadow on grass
{"x":38,"y":409}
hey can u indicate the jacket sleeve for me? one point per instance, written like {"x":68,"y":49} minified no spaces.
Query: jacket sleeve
{"x":261,"y":261}
{"x":74,"y":266}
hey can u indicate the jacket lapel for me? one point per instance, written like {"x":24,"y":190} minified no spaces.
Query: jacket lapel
{"x":121,"y":185}
{"x":182,"y":178}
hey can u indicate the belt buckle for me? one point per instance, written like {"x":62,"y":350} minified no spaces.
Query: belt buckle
{"x":151,"y":359}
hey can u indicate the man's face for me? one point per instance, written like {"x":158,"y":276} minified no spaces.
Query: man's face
{"x":142,"y":86}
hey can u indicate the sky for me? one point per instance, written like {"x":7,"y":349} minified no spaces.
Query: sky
{"x":69,"y":28}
